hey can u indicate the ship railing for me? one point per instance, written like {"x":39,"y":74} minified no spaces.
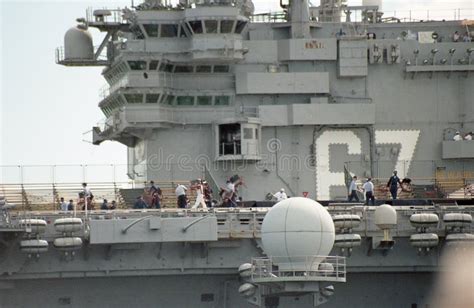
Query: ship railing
{"x":116,"y":16}
{"x":60,"y":57}
{"x":360,"y":15}
{"x":298,"y":268}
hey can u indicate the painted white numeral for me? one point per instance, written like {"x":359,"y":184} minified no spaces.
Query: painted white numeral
{"x":407,"y":140}
{"x":324,"y":178}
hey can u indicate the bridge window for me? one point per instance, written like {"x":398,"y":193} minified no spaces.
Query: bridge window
{"x":196,"y":25}
{"x":169,"y":30}
{"x":137,"y":65}
{"x":151,"y":30}
{"x":134,"y":98}
{"x":221,"y":68}
{"x":169,"y":100}
{"x":227,"y":26}
{"x":183,"y":69}
{"x":169,"y":68}
{"x":153,"y":65}
{"x":185,"y":101}
{"x":222,"y":100}
{"x":211,"y":26}
{"x":203,"y":69}
{"x":240,"y":26}
{"x":152,"y":98}
{"x":204,"y":100}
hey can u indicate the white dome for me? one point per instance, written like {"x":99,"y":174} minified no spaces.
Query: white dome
{"x":385,"y":217}
{"x":296,"y":228}
{"x":78,"y":45}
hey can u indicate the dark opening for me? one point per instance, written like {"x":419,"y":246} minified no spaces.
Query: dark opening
{"x":229,"y":139}
{"x":240,"y":26}
{"x":226,"y":26}
{"x":272,"y":301}
{"x":207,"y":297}
{"x":196,"y":25}
{"x":169,"y":30}
{"x":414,"y":305}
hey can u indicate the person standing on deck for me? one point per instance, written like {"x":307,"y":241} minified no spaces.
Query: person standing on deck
{"x":393,"y":184}
{"x":368,"y":187}
{"x":353,"y":190}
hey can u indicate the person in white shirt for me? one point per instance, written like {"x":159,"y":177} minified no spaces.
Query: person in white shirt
{"x":281,"y":195}
{"x":457,"y":137}
{"x":200,"y":195}
{"x":368,"y":187}
{"x":468,"y":136}
{"x":353,"y":190}
{"x":63,"y":205}
{"x":181,"y":195}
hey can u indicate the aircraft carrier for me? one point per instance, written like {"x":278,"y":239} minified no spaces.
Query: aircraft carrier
{"x":301,"y":100}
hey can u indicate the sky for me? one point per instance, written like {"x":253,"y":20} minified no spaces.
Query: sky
{"x":46,"y":108}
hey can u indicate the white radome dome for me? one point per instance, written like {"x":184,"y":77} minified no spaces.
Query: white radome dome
{"x":295,"y":229}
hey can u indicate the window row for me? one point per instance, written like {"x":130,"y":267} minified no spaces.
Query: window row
{"x":177,"y":100}
{"x":164,"y":66}
{"x":190,"y":28}
{"x":115,"y":73}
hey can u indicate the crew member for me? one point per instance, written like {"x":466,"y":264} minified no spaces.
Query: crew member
{"x":353,"y":190}
{"x":368,"y":188}
{"x":281,"y":195}
{"x":393,"y":184}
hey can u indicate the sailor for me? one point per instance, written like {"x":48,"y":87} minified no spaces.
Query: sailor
{"x":105,"y":205}
{"x":181,"y":195}
{"x":63,"y":205}
{"x":393,"y":184}
{"x":140,"y":203}
{"x":156,"y":195}
{"x":353,"y":190}
{"x":457,"y":136}
{"x":281,"y":195}
{"x":468,"y":136}
{"x":207,"y":194}
{"x":368,"y":187}
{"x":200,"y":195}
{"x":113,"y":206}
{"x":456,"y":36}
{"x":70,"y":206}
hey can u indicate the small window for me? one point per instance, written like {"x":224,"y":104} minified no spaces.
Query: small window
{"x":221,"y":68}
{"x":203,"y":69}
{"x":240,"y":26}
{"x":169,"y":68}
{"x":137,"y":65}
{"x":256,"y":133}
{"x":204,"y":100}
{"x":211,"y":26}
{"x":153,"y":65}
{"x":151,"y":30}
{"x":183,"y":69}
{"x":226,"y":26}
{"x":222,"y":101}
{"x":152,"y":98}
{"x":169,"y":100}
{"x":248,"y":133}
{"x":196,"y":25}
{"x":134,"y":98}
{"x":162,"y":67}
{"x":185,"y":101}
{"x":207,"y":297}
{"x":169,"y":30}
